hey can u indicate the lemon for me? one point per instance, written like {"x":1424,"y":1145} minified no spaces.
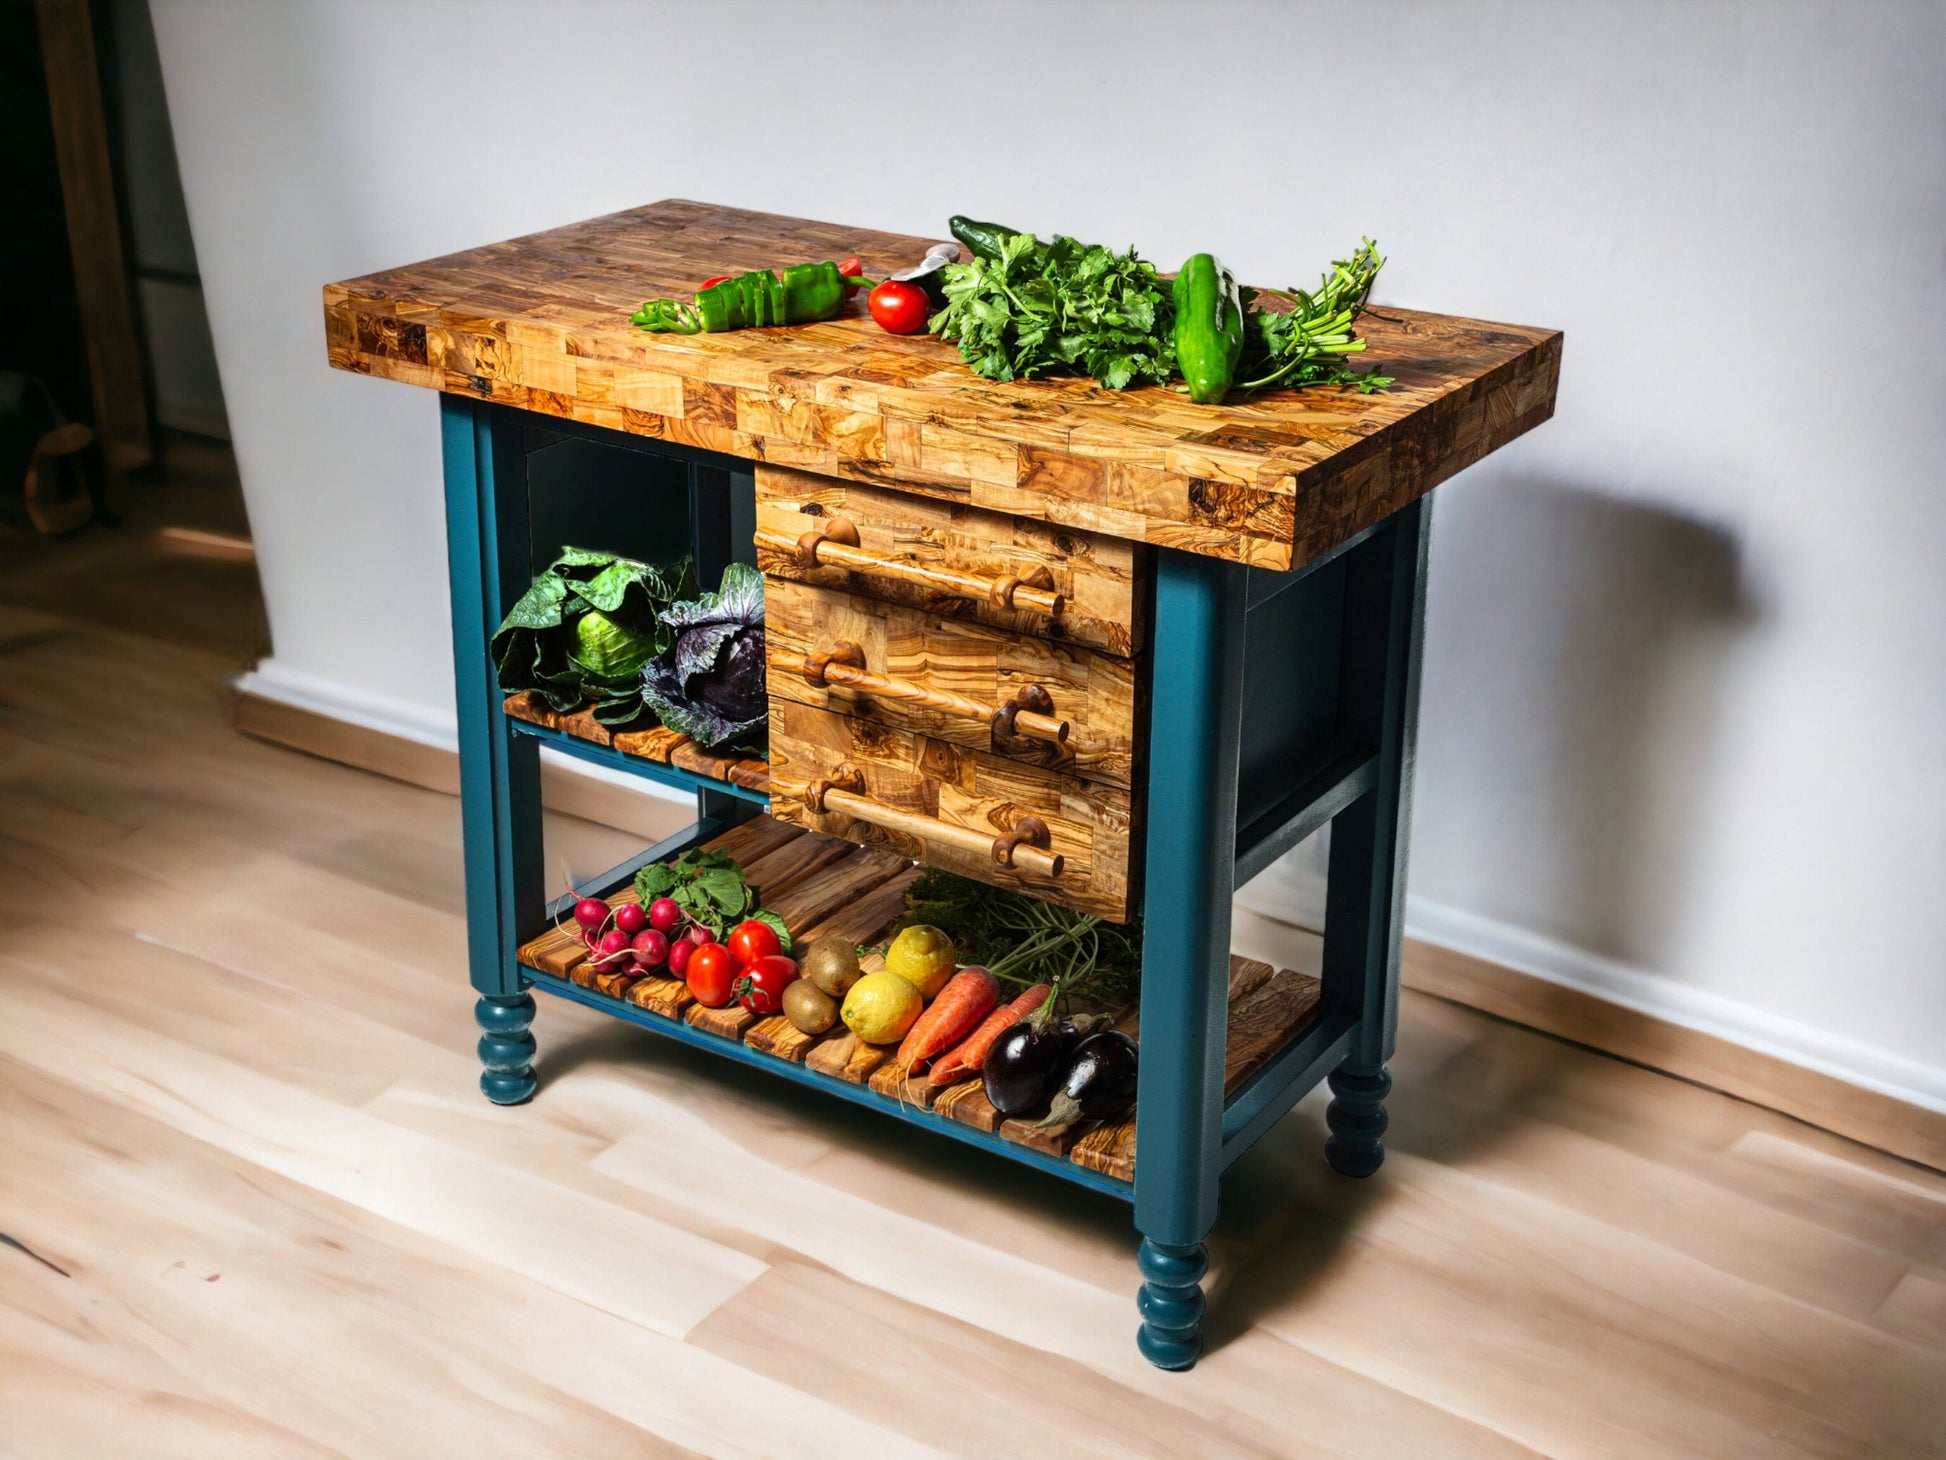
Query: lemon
{"x":881,"y":1007}
{"x":923,"y":957}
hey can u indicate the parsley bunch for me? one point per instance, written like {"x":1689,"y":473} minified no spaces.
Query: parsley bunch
{"x":1060,"y":308}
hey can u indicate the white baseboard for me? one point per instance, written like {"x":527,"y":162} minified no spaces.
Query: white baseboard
{"x":1291,"y":891}
{"x":383,"y":715}
{"x":1664,"y":999}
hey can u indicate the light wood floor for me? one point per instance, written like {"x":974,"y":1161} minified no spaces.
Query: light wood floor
{"x":240,"y":1119}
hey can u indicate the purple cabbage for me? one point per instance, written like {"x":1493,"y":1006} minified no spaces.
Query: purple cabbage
{"x":709,"y":684}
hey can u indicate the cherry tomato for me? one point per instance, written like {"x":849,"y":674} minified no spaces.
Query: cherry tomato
{"x":751,"y":940}
{"x":900,"y":308}
{"x":709,"y":973}
{"x":760,"y":987}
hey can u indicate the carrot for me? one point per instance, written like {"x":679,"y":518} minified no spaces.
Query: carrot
{"x":971,"y":1055}
{"x":969,"y":996}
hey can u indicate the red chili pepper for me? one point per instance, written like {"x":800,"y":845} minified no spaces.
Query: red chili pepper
{"x":712,"y":283}
{"x":851,"y":268}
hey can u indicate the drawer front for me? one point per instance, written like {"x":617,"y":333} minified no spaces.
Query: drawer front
{"x":945,"y":678}
{"x":946,"y":559}
{"x":943,"y":804}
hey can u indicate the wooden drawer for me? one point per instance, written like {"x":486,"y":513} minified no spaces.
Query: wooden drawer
{"x":946,"y":805}
{"x":955,"y":561}
{"x":945,"y":678}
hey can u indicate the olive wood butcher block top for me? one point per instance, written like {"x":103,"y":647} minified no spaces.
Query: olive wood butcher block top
{"x":542,"y":323}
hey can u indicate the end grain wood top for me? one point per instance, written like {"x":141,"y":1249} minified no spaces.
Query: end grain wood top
{"x":541,"y":323}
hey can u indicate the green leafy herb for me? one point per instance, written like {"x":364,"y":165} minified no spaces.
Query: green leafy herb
{"x":1060,"y":308}
{"x":1024,"y":941}
{"x":1305,"y":343}
{"x":586,"y":628}
{"x":710,"y":888}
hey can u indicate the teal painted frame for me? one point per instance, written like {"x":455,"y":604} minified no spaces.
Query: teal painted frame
{"x":1187,"y":1132}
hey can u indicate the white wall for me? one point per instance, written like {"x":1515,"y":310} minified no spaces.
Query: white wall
{"x":1683,"y":708}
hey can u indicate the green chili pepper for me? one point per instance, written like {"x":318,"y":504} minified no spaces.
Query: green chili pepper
{"x":805,"y":294}
{"x":1209,"y":327}
{"x":984,"y":239}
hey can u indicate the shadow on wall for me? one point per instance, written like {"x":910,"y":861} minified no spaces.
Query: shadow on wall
{"x":1573,"y":690}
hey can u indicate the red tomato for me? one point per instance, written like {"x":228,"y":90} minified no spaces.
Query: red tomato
{"x":760,"y":987}
{"x":750,"y":940}
{"x":900,"y":308}
{"x":709,"y":973}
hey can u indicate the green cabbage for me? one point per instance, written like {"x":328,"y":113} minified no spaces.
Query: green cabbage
{"x":585,"y":630}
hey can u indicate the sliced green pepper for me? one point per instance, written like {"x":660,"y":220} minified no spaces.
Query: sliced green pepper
{"x":805,"y":294}
{"x":1209,"y":327}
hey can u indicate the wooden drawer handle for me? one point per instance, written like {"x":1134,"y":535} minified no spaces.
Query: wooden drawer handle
{"x":1030,"y":712}
{"x":1024,"y":849}
{"x":835,"y":545}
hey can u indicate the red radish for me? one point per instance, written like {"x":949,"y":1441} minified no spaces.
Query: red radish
{"x":971,"y":1054}
{"x":664,"y":915}
{"x":651,"y":948}
{"x":678,"y":955}
{"x":610,"y":951}
{"x":591,"y":913}
{"x":630,"y":918}
{"x":699,"y":935}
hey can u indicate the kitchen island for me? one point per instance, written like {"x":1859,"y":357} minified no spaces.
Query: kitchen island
{"x":1112,"y":649}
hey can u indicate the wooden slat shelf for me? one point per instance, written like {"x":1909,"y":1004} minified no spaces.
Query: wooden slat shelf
{"x":824,"y":886}
{"x":657,"y":745}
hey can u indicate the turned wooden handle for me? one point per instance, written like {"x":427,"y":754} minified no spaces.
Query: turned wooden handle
{"x":1030,"y":712}
{"x":835,"y":545}
{"x":1024,"y":849}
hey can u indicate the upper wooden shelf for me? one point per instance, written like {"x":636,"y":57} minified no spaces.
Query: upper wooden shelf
{"x":541,"y":323}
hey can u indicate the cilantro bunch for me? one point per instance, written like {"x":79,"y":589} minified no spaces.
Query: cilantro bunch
{"x":1060,"y":308}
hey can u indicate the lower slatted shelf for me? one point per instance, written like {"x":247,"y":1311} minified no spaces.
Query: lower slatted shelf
{"x":823,"y":886}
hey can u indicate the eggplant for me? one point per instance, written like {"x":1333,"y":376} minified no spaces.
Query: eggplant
{"x":1025,"y":1063}
{"x":1098,"y":1083}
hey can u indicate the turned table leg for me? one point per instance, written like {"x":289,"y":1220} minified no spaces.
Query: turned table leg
{"x":1385,"y":597}
{"x":500,"y":783}
{"x":1191,"y":852}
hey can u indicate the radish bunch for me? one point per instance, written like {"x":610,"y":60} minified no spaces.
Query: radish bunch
{"x":630,"y":938}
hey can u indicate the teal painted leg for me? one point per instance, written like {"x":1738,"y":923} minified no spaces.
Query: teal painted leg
{"x":506,"y":1047}
{"x":1356,"y":1116}
{"x":1189,"y":861}
{"x":500,"y":790}
{"x":1171,"y":1303}
{"x":1385,"y":594}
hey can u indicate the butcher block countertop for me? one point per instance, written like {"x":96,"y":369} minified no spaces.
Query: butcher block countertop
{"x":541,"y":323}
